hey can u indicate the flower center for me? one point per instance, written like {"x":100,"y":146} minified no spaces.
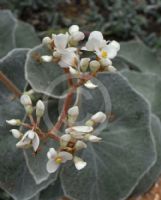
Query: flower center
{"x":104,"y":54}
{"x":58,"y":160}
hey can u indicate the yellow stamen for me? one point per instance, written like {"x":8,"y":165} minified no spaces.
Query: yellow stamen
{"x":58,"y":160}
{"x":104,"y":54}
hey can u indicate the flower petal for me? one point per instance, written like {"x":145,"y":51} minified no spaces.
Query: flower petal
{"x":65,"y":156}
{"x":96,"y":34}
{"x":67,"y":59}
{"x":35,"y":142}
{"x":73,"y":28}
{"x":79,"y":163}
{"x":90,"y":85}
{"x":46,"y":58}
{"x":30,"y":134}
{"x":60,"y":41}
{"x":52,"y":166}
{"x":80,"y":129}
{"x":52,"y":153}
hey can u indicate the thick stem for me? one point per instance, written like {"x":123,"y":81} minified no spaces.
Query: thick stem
{"x":9,"y":85}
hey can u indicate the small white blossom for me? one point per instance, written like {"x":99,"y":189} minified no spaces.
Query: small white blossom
{"x":75,"y":35}
{"x":16,"y":133}
{"x":40,"y":108}
{"x":79,"y":163}
{"x":56,"y":159}
{"x":29,"y":139}
{"x":14,"y":122}
{"x":99,"y":117}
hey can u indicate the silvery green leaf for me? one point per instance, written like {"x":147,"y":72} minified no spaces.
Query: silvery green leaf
{"x":51,"y":81}
{"x":15,"y":34}
{"x":140,"y":57}
{"x":153,"y":174}
{"x":149,"y":85}
{"x":126,"y":152}
{"x":15,"y":176}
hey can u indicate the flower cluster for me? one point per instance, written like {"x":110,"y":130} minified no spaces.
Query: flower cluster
{"x":74,"y":140}
{"x":30,"y":138}
{"x":67,"y":52}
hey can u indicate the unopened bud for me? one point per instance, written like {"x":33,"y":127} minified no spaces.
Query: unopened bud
{"x":111,"y":69}
{"x":84,"y":64}
{"x":105,"y":62}
{"x":64,"y":139}
{"x":94,"y":65}
{"x":80,"y":145}
{"x":40,"y":108}
{"x":46,"y":40}
{"x":73,"y":29}
{"x":89,"y":123}
{"x":73,"y":111}
{"x":16,"y":133}
{"x":14,"y":122}
{"x":99,"y":117}
{"x":46,"y":58}
{"x":25,"y":100}
{"x":77,"y":36}
{"x":92,"y":138}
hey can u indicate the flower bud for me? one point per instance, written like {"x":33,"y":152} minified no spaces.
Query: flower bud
{"x":84,"y":63}
{"x":73,"y":28}
{"x":77,"y":36}
{"x":16,"y":133}
{"x":111,"y":69}
{"x":40,"y":108}
{"x":46,"y":58}
{"x":99,"y":117}
{"x":46,"y":40}
{"x":14,"y":122}
{"x":105,"y":62}
{"x":29,"y":109}
{"x":94,"y":65}
{"x":73,"y":111}
{"x":25,"y":100}
{"x":89,"y":123}
{"x":115,"y":44}
{"x":92,"y":138}
{"x":79,"y":163}
{"x":73,"y":71}
{"x":64,"y":139}
{"x":80,"y":145}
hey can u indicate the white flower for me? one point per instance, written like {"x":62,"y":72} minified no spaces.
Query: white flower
{"x":68,"y":58}
{"x":103,"y":50}
{"x":56,"y":159}
{"x":14,"y":122}
{"x":30,"y":138}
{"x":95,"y":41}
{"x":99,"y":117}
{"x":40,"y":108}
{"x":16,"y":133}
{"x":90,"y":85}
{"x":79,"y":163}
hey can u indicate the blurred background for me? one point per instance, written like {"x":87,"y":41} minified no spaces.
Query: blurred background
{"x":122,"y":20}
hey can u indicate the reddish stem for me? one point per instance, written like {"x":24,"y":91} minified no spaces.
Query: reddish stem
{"x":9,"y":85}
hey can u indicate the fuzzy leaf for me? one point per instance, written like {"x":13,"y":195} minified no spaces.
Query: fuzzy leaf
{"x":140,"y":57}
{"x":12,"y":66}
{"x":149,"y":85}
{"x":15,"y":177}
{"x":115,"y":165}
{"x":7,"y":24}
{"x":51,"y":81}
{"x":153,"y":174}
{"x":15,"y":34}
